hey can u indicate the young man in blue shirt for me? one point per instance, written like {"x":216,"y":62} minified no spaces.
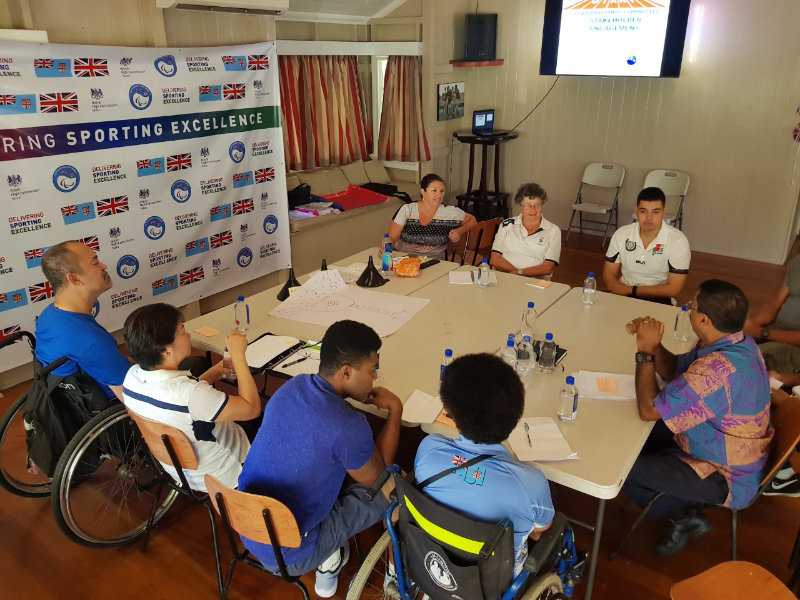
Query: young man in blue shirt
{"x":485,"y":398}
{"x":310,"y":440}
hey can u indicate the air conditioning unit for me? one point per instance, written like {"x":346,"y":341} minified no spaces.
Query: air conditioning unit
{"x":250,"y":7}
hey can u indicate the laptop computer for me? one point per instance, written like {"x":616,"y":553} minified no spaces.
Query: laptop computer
{"x":483,"y":122}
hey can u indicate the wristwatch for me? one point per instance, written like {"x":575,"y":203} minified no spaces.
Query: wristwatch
{"x":645,"y":357}
{"x":519,"y":271}
{"x":764,"y":334}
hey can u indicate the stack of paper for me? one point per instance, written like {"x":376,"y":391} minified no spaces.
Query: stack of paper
{"x":546,"y":442}
{"x":606,"y":386}
{"x":421,"y":408}
{"x":268,"y":347}
{"x":460,"y":277}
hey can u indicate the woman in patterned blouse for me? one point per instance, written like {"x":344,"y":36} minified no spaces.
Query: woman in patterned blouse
{"x":425,"y":227}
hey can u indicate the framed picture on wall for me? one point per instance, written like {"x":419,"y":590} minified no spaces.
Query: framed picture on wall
{"x":451,"y":101}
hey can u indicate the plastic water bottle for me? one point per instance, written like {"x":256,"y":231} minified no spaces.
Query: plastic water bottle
{"x":528,"y":321}
{"x":526,"y":359}
{"x":241,"y":315}
{"x":589,"y":288}
{"x":547,"y":355}
{"x":510,"y":354}
{"x":683,"y":327}
{"x":226,"y":359}
{"x":483,"y":273}
{"x":568,"y":401}
{"x":446,"y":362}
{"x":386,"y":258}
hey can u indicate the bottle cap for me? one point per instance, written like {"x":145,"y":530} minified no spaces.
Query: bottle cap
{"x":526,"y":338}
{"x":448,"y":352}
{"x":684,"y":308}
{"x":240,"y":298}
{"x":591,"y":273}
{"x":530,"y":304}
{"x":485,"y":261}
{"x":511,"y":336}
{"x":385,"y":235}
{"x":510,"y":343}
{"x":570,"y":380}
{"x":548,"y":337}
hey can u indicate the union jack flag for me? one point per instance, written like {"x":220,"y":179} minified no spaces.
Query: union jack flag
{"x":191,"y":245}
{"x":3,"y":298}
{"x":72,"y":209}
{"x":228,"y":60}
{"x":112,"y":206}
{"x":257,"y":62}
{"x":241,"y":207}
{"x":215,"y":210}
{"x":143,"y":164}
{"x":40,"y":291}
{"x":7,"y":99}
{"x":178,"y":162}
{"x":32,"y":254}
{"x":221,"y":239}
{"x":205,"y":89}
{"x":192,"y":275}
{"x":233,"y":91}
{"x":158,"y":283}
{"x":92,"y":242}
{"x":458,"y":460}
{"x":264,"y":175}
{"x":59,"y":102}
{"x":43,"y":63}
{"x":238,"y":176}
{"x":8,"y":331}
{"x":91,"y":67}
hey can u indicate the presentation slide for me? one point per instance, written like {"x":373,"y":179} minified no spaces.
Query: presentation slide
{"x":612,"y":37}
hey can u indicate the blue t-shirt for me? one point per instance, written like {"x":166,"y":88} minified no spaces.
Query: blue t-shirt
{"x":82,"y":339}
{"x":499,"y":487}
{"x":307,"y":442}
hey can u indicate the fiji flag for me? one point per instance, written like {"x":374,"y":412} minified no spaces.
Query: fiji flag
{"x":235,"y":63}
{"x":197,"y":246}
{"x":167,"y":284}
{"x":150,"y":166}
{"x":33,"y":258}
{"x":208,"y":93}
{"x":223,"y":211}
{"x":242,"y":179}
{"x":16,"y":104}
{"x":75,"y":213}
{"x":9,"y":300}
{"x":52,"y":67}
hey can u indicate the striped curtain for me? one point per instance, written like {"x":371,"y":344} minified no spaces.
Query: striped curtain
{"x":402,"y":135}
{"x":325,"y":120}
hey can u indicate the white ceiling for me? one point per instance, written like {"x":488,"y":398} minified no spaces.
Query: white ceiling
{"x":339,"y":11}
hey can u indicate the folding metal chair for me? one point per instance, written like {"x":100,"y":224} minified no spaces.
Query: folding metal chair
{"x":608,"y":177}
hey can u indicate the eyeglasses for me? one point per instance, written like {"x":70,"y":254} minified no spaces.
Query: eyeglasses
{"x":531,"y":205}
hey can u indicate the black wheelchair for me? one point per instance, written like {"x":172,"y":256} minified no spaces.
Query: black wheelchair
{"x":444,"y":555}
{"x":104,"y":484}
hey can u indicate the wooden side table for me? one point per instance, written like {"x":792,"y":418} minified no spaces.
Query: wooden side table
{"x":483,"y":198}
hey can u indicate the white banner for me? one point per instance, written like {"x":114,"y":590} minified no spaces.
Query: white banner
{"x":168,"y":162}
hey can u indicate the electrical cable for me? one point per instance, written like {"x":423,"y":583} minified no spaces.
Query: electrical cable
{"x":537,"y":104}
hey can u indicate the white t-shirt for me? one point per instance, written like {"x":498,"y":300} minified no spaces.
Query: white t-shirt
{"x":668,"y":253}
{"x":430,"y":239}
{"x":178,"y":399}
{"x":523,"y":250}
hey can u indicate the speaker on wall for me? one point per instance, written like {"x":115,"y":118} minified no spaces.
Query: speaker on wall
{"x":481,"y":37}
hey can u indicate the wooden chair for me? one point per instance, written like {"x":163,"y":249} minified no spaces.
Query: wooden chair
{"x":733,"y":580}
{"x":259,"y":518}
{"x":786,"y":421}
{"x":170,"y":445}
{"x":476,"y":245}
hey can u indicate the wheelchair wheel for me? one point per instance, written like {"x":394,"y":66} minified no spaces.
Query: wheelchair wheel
{"x":105,"y":483}
{"x":16,"y":475}
{"x":544,"y":588}
{"x":368,"y":580}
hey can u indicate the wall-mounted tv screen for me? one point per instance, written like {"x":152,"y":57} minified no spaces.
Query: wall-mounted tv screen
{"x":627,"y":38}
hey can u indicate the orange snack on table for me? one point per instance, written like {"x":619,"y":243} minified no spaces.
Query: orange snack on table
{"x":408,"y":267}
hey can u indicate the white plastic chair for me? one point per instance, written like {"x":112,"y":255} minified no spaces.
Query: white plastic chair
{"x":673,"y":184}
{"x":609,"y":177}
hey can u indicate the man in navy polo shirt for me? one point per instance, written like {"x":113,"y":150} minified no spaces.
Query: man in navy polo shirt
{"x":485,"y":398}
{"x":310,"y":439}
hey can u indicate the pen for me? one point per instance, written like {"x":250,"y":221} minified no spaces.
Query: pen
{"x":294,"y":362}
{"x":534,"y":285}
{"x":527,"y":432}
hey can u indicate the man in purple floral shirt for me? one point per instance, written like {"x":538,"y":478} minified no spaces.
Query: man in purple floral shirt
{"x":711,"y":444}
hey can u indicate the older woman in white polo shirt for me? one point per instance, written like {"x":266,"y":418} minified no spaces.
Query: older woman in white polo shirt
{"x":528,"y":244}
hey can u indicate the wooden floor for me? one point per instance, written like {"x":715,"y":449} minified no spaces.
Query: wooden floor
{"x":39,"y":563}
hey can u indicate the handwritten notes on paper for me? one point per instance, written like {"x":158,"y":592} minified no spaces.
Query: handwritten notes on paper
{"x":421,"y":408}
{"x":607,"y":385}
{"x":546,"y":442}
{"x":325,"y":299}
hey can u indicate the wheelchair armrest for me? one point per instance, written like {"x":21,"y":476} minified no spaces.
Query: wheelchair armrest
{"x":378,"y":483}
{"x":548,"y":544}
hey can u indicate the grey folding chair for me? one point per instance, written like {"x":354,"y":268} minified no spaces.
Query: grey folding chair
{"x":674,"y":184}
{"x":605,"y":177}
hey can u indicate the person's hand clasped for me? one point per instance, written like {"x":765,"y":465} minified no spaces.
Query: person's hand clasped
{"x":236,"y":343}
{"x":383,"y":398}
{"x":454,"y":235}
{"x":648,"y":331}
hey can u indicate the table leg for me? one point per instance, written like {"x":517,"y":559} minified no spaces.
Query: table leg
{"x":471,"y":167}
{"x":598,"y":529}
{"x":483,"y":196}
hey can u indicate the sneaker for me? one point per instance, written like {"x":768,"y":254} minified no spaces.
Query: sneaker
{"x":785,"y":473}
{"x":390,"y":587}
{"x":681,"y":531}
{"x":784,"y":487}
{"x":327,"y":576}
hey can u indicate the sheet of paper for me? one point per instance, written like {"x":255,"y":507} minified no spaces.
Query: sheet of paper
{"x":206,"y":331}
{"x":421,"y":408}
{"x":540,"y":283}
{"x":266,"y":348}
{"x":445,"y":420}
{"x":775,"y":384}
{"x":547,"y":443}
{"x":293,"y":365}
{"x":461,"y":277}
{"x":607,"y":386}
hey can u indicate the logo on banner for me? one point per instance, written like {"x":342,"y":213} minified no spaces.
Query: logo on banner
{"x":95,"y":309}
{"x":233,"y":91}
{"x":167,"y":284}
{"x":270,"y":224}
{"x":140,"y":96}
{"x":265,"y":203}
{"x":125,"y":297}
{"x":223,"y":238}
{"x":6,"y":66}
{"x":217,"y":268}
{"x":209,"y":93}
{"x":188,"y":220}
{"x":269,"y":250}
{"x":149,"y":166}
{"x":257,"y":62}
{"x":242,"y":179}
{"x":33,"y":258}
{"x":154,"y":227}
{"x":162,"y":257}
{"x":236,"y":151}
{"x":199,"y":63}
{"x":264,"y":175}
{"x":91,"y":67}
{"x":166,"y":66}
{"x":90,"y":242}
{"x":112,"y":206}
{"x":212,"y":186}
{"x":117,"y":239}
{"x":125,"y":67}
{"x":241,"y":207}
{"x":191,"y":276}
{"x":245,"y":257}
{"x":180,"y":191}
{"x":205,"y":159}
{"x":66,"y":178}
{"x":14,"y":181}
{"x":52,"y":67}
{"x":223,"y":211}
{"x":174,"y":95}
{"x":196,"y":247}
{"x":96,"y":94}
{"x":261,"y":148}
{"x":13,"y":299}
{"x":114,"y":233}
{"x":234,"y":63}
{"x":14,"y":104}
{"x":76,"y":213}
{"x":127,"y":266}
{"x":28,"y":223}
{"x":178,"y":162}
{"x":40,"y":291}
{"x":106,"y":173}
{"x":4,"y":270}
{"x":17,"y":191}
{"x":58,"y":102}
